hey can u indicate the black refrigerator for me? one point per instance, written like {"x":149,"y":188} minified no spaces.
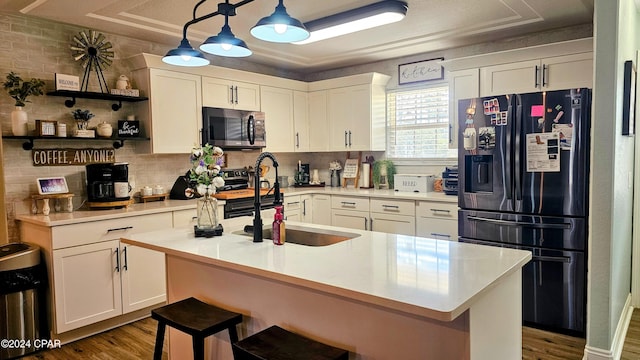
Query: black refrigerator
{"x":523,"y":183}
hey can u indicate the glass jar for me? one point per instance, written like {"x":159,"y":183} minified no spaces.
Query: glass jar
{"x":207,"y":212}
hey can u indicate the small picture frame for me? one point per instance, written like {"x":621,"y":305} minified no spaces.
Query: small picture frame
{"x":629,"y":99}
{"x":46,"y":127}
{"x":52,"y":185}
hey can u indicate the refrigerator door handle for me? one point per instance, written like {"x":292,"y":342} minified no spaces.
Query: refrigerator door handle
{"x":517,"y":167}
{"x":520,"y":223}
{"x":507,"y":171}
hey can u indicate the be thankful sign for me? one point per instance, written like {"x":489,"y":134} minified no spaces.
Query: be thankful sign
{"x":72,"y":157}
{"x":420,"y":71}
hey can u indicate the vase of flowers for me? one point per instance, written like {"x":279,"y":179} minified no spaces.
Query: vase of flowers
{"x":20,"y":90}
{"x":205,"y":177}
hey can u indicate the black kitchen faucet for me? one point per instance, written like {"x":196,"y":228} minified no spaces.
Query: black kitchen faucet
{"x":257,"y":220}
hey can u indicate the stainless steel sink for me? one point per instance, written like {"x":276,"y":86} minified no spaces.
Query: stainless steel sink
{"x":307,"y":236}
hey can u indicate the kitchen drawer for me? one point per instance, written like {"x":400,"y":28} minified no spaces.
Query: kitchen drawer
{"x":187,"y":217}
{"x":350,"y":203}
{"x":440,"y":229}
{"x":96,"y":231}
{"x":437,"y":210}
{"x":292,"y":203}
{"x":397,"y":207}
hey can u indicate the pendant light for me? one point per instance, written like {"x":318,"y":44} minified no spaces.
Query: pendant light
{"x":185,"y":55}
{"x":279,"y":27}
{"x":226,"y":43}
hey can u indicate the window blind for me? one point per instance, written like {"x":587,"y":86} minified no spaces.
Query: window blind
{"x":418,"y":123}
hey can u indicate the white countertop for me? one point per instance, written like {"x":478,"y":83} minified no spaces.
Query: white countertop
{"x":373,"y":193}
{"x":79,"y":216}
{"x":426,"y":277}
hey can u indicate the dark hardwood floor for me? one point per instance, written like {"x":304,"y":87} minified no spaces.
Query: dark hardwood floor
{"x":135,"y":341}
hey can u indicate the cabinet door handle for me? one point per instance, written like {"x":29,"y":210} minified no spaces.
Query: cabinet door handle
{"x":304,"y":207}
{"x":441,"y":235}
{"x":545,"y":68}
{"x":120,"y":229}
{"x":396,"y":207}
{"x":297,"y":140}
{"x":441,"y":210}
{"x":345,"y":138}
{"x":365,"y":224}
{"x":117,"y":259}
{"x":124,"y":252}
{"x":370,"y":224}
{"x":349,"y":138}
{"x":537,"y":76}
{"x":231,"y":89}
{"x":236,"y":94}
{"x":348,"y":203}
{"x":293,"y":203}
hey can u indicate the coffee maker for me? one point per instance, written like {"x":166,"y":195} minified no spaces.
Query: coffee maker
{"x":108,"y":182}
{"x":302,"y":176}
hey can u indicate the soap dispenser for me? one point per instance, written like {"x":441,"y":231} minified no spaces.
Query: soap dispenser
{"x":278,"y":234}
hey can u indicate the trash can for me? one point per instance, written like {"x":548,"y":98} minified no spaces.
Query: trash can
{"x":22,"y":278}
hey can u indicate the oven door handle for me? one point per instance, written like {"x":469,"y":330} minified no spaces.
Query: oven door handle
{"x":520,"y":223}
{"x":561,"y":259}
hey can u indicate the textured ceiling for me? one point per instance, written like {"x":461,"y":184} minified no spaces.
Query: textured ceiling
{"x":430,"y":25}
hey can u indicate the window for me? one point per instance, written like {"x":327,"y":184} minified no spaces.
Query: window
{"x":418,"y":124}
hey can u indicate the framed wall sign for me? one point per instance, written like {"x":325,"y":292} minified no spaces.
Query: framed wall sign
{"x":67,"y":82}
{"x":46,"y":127}
{"x":629,"y":99}
{"x":420,"y":71}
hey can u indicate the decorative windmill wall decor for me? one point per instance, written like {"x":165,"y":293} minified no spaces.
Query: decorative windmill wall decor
{"x":95,"y":54}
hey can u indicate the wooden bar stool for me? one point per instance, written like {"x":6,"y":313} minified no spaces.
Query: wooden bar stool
{"x":276,"y":343}
{"x":197,"y":319}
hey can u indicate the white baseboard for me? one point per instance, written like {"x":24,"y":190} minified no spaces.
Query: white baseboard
{"x":593,"y":353}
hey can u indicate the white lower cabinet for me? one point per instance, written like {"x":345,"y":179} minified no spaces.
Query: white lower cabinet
{"x":350,"y":212}
{"x":392,"y":216}
{"x":292,"y":208}
{"x":437,"y":220}
{"x":95,"y":277}
{"x":321,"y":209}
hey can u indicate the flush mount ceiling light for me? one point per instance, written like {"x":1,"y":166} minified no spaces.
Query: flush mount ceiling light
{"x":362,"y":18}
{"x":279,"y":27}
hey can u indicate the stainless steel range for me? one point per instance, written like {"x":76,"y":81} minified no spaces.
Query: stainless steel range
{"x":239,"y":196}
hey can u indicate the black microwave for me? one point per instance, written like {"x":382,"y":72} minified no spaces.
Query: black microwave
{"x":233,"y":129}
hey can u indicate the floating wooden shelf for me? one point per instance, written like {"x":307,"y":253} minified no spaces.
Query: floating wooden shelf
{"x":118,"y":142}
{"x":95,"y":95}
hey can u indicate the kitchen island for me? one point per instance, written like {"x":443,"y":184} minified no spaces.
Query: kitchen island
{"x":380,"y":296}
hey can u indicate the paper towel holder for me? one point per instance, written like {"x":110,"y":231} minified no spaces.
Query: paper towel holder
{"x":367,"y":173}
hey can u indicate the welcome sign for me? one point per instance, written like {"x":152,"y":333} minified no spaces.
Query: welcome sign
{"x":72,"y":157}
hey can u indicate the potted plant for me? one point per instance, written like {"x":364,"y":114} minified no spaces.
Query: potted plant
{"x":20,"y":90}
{"x":383,"y":171}
{"x":82,"y":118}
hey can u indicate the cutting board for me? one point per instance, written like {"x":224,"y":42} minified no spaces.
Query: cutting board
{"x":238,"y":194}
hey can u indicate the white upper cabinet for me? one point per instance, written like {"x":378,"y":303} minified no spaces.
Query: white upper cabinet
{"x":463,"y":84}
{"x":356,"y":112}
{"x":552,"y":73}
{"x":227,"y":94}
{"x":173,"y":116}
{"x":301,"y":120}
{"x":277,"y":105}
{"x":318,"y":121}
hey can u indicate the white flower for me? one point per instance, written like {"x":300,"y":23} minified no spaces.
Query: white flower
{"x":196,"y":152}
{"x":215,"y":170}
{"x":200,"y":170}
{"x":217,"y":152}
{"x":218,"y":182}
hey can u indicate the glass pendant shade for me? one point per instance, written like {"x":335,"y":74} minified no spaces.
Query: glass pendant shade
{"x":225,"y":44}
{"x":185,"y":55}
{"x":279,"y":27}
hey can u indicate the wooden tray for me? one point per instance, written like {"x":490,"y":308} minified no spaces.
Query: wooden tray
{"x":109,"y":204}
{"x":156,"y":197}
